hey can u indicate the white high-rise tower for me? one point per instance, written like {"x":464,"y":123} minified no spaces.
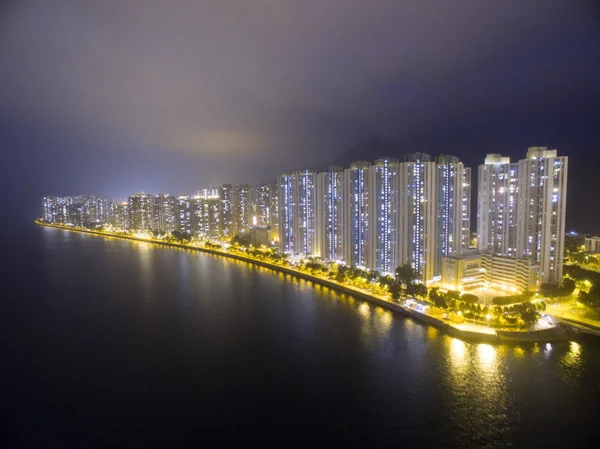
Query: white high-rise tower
{"x":418,"y":215}
{"x":329,"y":210}
{"x":297,"y":219}
{"x":356,"y":215}
{"x":496,"y":206}
{"x":541,"y":211}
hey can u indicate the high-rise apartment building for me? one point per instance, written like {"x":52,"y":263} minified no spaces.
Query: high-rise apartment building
{"x":120,"y":218}
{"x":241,"y":210}
{"x":157,"y":213}
{"x":225,"y":193}
{"x":355,"y":230}
{"x":274,"y":206}
{"x":418,"y":215}
{"x":260,"y":205}
{"x":453,"y":190}
{"x":497,"y":206}
{"x":384,"y":190}
{"x":541,"y":211}
{"x":164,"y":212}
{"x":140,"y":212}
{"x":297,"y":213}
{"x":55,"y":209}
{"x":168,"y":213}
{"x":522,"y":207}
{"x":330,"y":213}
{"x":184,"y":215}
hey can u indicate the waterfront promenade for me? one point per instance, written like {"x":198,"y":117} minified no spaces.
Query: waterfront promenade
{"x":463,"y":331}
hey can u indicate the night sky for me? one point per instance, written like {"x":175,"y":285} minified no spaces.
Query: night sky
{"x":112,"y":97}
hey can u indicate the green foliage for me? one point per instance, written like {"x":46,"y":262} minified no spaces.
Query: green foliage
{"x":591,"y":299}
{"x":573,"y":243}
{"x":506,"y":300}
{"x":406,"y":274}
{"x":180,"y":236}
{"x":440,"y":302}
{"x":580,"y":274}
{"x":241,"y":240}
{"x":469,"y":298}
{"x":555,"y":291}
{"x":416,"y":290}
{"x":395,"y":290}
{"x":453,"y":294}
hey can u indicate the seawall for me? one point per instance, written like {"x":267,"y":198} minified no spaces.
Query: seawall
{"x":548,"y":335}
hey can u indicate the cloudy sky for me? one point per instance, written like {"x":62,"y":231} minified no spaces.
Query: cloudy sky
{"x":110,"y":97}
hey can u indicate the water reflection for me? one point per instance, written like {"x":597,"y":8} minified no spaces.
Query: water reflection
{"x":475,"y":379}
{"x":572,"y":358}
{"x":487,"y":358}
{"x":364,"y":310}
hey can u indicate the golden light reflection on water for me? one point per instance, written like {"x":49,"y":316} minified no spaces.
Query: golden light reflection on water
{"x":572,"y":357}
{"x":487,"y":357}
{"x":386,"y":319}
{"x":457,"y":351}
{"x":432,"y":332}
{"x":364,"y":310}
{"x":519,"y":352}
{"x":474,"y":378}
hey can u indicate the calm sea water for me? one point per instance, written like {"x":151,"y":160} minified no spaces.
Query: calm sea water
{"x":115,"y":343}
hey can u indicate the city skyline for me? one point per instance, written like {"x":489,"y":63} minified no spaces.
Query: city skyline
{"x":380,"y":215}
{"x":260,"y":215}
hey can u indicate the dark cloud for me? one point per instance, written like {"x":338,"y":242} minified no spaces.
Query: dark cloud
{"x":245,"y":89}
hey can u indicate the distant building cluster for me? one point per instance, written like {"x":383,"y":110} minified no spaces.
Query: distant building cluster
{"x":217,"y":213}
{"x":388,"y":213}
{"x":377,"y":215}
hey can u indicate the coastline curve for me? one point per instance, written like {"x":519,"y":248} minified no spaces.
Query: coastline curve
{"x":559,"y":333}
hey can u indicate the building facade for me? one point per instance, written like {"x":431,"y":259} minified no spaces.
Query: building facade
{"x":297,"y":213}
{"x":141,"y":212}
{"x":453,"y":189}
{"x":260,"y":204}
{"x":384,"y":193}
{"x":542,"y":211}
{"x":355,"y":228}
{"x":497,"y":206}
{"x":241,"y":210}
{"x":330,"y":213}
{"x":418,"y":209}
{"x":592,"y":244}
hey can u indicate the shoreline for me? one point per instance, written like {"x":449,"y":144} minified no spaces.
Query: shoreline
{"x":559,"y":333}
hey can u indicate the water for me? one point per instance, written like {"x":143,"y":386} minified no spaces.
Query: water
{"x":110,"y":342}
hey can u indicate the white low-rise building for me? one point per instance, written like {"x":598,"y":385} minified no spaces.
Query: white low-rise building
{"x":592,"y":244}
{"x":472,"y":270}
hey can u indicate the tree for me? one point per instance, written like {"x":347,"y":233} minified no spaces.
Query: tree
{"x":395,"y":291}
{"x":433,"y":294}
{"x":529,"y":316}
{"x":181,"y":236}
{"x":541,"y":306}
{"x":469,"y":298}
{"x":406,"y":274}
{"x":568,"y":287}
{"x":453,"y":294}
{"x":440,"y":302}
{"x":416,"y":290}
{"x":241,"y":240}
